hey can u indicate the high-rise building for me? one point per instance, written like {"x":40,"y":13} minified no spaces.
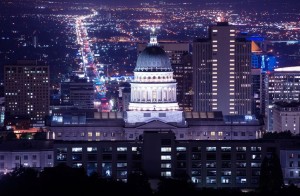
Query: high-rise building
{"x":27,"y":90}
{"x":181,"y":62}
{"x":222,"y":72}
{"x":78,"y":92}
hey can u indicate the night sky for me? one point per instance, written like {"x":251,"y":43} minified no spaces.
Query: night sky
{"x":137,"y":2}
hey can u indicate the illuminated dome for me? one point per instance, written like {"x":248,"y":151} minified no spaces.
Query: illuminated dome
{"x":153,"y":58}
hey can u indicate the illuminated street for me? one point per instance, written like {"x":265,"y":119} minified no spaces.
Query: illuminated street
{"x":88,"y":68}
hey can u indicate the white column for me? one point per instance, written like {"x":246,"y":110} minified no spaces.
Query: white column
{"x":168,"y":94}
{"x":140,"y":92}
{"x":174,"y":93}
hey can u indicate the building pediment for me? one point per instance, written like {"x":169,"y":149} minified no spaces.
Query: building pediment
{"x":156,"y":124}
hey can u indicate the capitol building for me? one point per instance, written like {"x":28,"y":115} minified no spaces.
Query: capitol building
{"x":152,"y":107}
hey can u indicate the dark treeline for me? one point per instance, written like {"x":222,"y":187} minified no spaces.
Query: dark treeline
{"x":64,"y":180}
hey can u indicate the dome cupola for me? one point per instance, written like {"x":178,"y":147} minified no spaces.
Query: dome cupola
{"x":153,"y":58}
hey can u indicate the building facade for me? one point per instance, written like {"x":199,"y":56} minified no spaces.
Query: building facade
{"x":290,"y":161}
{"x":208,"y":163}
{"x":286,"y":117}
{"x":283,"y":84}
{"x":27,"y":90}
{"x":108,"y":126}
{"x":78,"y":92}
{"x":222,"y":72}
{"x":24,"y":153}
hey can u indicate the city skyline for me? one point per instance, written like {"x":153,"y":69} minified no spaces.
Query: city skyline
{"x":211,"y":96}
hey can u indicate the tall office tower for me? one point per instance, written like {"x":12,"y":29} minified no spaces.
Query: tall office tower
{"x":222,"y":72}
{"x":256,"y":86}
{"x":184,"y":78}
{"x":283,"y":85}
{"x":27,"y":90}
{"x":78,"y":92}
{"x":178,"y":53}
{"x":262,"y":61}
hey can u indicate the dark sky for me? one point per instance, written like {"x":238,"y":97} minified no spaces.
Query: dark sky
{"x":137,"y":2}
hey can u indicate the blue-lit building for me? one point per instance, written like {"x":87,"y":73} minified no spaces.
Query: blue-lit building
{"x":260,"y":58}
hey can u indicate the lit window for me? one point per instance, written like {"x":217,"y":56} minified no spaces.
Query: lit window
{"x":166,"y":157}
{"x":212,"y":133}
{"x":91,"y":149}
{"x":225,"y":180}
{"x":166,"y":149}
{"x":256,"y":149}
{"x":121,"y":148}
{"x":166,"y":173}
{"x":225,"y":148}
{"x":121,"y":165}
{"x":134,"y":149}
{"x":211,"y":148}
{"x":90,"y":134}
{"x":240,"y":148}
{"x":77,"y":149}
{"x":180,"y":148}
{"x":166,"y":165}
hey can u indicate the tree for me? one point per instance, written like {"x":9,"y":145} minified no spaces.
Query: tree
{"x":21,"y":181}
{"x":26,"y":136}
{"x":11,"y":136}
{"x":139,"y":184}
{"x":40,"y":135}
{"x":275,"y":135}
{"x":179,"y":186}
{"x":271,"y":177}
